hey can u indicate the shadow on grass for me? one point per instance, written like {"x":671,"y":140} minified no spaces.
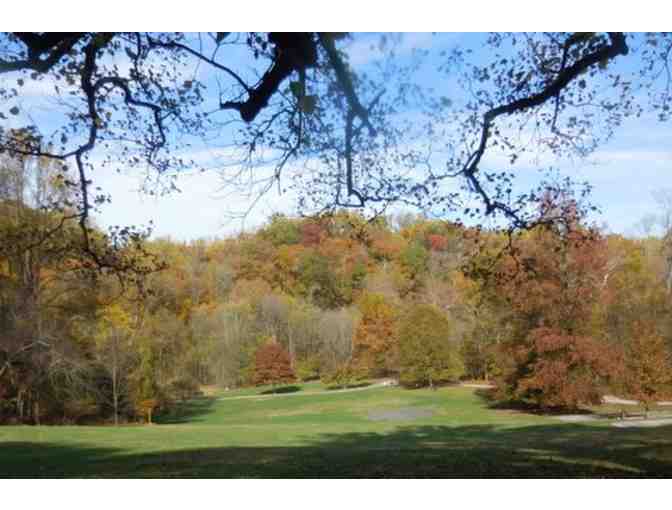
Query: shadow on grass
{"x":280,"y":390}
{"x":187,"y":411}
{"x":476,"y":451}
{"x":348,"y":386}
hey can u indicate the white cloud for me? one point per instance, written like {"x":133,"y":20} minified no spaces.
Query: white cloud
{"x":198,"y":211}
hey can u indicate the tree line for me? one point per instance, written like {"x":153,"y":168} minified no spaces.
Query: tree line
{"x":555,"y":315}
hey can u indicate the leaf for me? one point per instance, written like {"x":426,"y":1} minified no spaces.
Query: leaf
{"x":14,"y":110}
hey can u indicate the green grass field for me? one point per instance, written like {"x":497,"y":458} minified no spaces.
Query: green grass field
{"x":332,"y":435}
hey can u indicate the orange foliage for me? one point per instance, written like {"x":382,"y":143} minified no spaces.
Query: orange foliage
{"x":375,"y":346}
{"x":249,"y":291}
{"x":648,"y":367}
{"x":386,"y":246}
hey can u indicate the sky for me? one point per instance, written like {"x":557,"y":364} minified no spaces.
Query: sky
{"x":624,"y":172}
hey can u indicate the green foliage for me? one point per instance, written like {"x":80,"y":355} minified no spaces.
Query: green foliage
{"x":281,"y":231}
{"x":428,"y":355}
{"x":415,"y":258}
{"x":342,"y":376}
{"x":319,"y":281}
{"x":308,"y":369}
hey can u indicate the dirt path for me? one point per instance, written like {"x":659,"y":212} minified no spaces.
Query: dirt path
{"x":477,"y":385}
{"x":610,"y":399}
{"x":299,"y":393}
{"x":607,"y":399}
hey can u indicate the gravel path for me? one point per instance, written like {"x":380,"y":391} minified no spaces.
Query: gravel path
{"x":479,"y":385}
{"x":650,"y":423}
{"x":610,"y":399}
{"x":300,"y":393}
{"x":578,"y":418}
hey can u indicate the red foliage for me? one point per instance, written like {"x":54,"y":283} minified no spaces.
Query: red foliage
{"x":552,"y":285}
{"x":311,"y":233}
{"x":272,"y":364}
{"x":437,"y":242}
{"x":555,"y":281}
{"x":565,"y":370}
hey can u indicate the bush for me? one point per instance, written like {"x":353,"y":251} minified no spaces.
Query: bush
{"x":308,"y":369}
{"x":183,"y":389}
{"x":77,"y":410}
{"x":343,"y":376}
{"x":272,"y":364}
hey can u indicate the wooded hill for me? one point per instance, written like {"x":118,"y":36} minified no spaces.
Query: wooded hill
{"x":554,"y":315}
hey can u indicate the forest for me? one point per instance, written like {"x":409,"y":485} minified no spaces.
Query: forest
{"x":555,"y":315}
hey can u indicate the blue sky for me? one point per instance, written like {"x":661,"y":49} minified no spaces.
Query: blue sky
{"x":624,"y":171}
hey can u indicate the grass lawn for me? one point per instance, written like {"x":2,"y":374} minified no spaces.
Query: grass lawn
{"x":333,"y":435}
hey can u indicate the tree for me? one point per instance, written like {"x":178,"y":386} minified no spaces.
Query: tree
{"x":272,"y":364}
{"x":320,"y":282}
{"x":116,"y":354}
{"x":648,"y":368}
{"x":336,"y":334}
{"x":341,"y":376}
{"x":45,"y":287}
{"x":375,"y":345}
{"x":663,"y":198}
{"x":428,"y":354}
{"x":554,"y":369}
{"x":552,"y":284}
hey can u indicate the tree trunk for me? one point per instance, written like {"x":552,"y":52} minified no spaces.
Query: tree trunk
{"x":291,"y":350}
{"x":115,"y":397}
{"x":19,"y":405}
{"x":36,"y":411}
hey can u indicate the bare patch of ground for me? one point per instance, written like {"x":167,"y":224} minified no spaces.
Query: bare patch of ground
{"x":400,"y":414}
